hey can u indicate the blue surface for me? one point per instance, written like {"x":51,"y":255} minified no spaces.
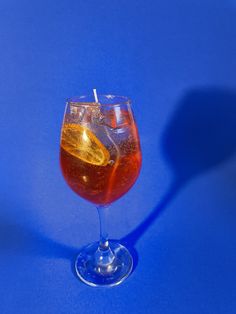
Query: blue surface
{"x":176,"y":60}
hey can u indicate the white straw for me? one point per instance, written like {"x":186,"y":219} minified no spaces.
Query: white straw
{"x":95,"y":95}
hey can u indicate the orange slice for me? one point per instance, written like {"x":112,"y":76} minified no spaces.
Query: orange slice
{"x":82,"y":143}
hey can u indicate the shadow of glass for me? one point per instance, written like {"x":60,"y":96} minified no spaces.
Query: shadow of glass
{"x":200,"y":135}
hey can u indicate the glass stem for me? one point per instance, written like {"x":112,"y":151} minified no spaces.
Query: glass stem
{"x":104,"y":256}
{"x":102,"y":213}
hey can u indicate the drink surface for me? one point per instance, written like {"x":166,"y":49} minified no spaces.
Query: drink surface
{"x":98,"y":180}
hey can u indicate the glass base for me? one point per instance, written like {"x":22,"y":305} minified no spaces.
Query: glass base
{"x":103,"y":267}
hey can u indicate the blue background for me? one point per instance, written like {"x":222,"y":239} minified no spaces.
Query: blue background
{"x":176,"y":60}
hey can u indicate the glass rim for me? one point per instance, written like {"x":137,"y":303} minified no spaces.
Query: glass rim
{"x":79,"y":100}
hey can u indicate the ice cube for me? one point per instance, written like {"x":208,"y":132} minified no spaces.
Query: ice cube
{"x":116,"y":119}
{"x":77,"y":113}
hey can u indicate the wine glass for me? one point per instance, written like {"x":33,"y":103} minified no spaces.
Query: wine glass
{"x":100,"y":159}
